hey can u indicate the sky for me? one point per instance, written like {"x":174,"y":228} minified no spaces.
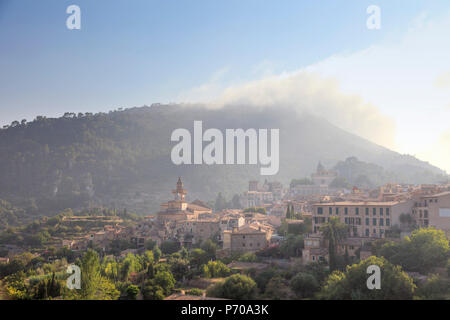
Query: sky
{"x":391,"y":85}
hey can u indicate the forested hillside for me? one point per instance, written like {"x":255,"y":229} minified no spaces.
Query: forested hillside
{"x":122,"y":158}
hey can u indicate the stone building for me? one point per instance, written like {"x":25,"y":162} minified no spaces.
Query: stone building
{"x":246,"y":239}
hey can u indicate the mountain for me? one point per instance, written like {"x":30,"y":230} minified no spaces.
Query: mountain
{"x":122,"y":158}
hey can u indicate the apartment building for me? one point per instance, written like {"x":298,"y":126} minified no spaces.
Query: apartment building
{"x":365,"y":218}
{"x":433,"y":210}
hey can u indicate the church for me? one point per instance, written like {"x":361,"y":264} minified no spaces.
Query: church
{"x":179,"y":209}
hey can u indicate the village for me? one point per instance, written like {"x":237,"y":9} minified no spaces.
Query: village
{"x":277,"y":228}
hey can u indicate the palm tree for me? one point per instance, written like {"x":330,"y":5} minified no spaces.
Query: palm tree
{"x":334,"y":232}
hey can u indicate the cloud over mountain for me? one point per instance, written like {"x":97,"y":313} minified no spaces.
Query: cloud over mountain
{"x":310,"y":93}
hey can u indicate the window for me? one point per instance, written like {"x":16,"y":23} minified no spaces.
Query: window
{"x":388,"y":222}
{"x":381,"y":222}
{"x":374,"y":231}
{"x":387,"y":211}
{"x":243,"y":244}
{"x":367,"y":211}
{"x":425,"y":214}
{"x":346,"y":220}
{"x":314,"y":258}
{"x":367,"y":232}
{"x":374,"y":221}
{"x":330,"y":210}
{"x":367,"y":221}
{"x":337,"y":210}
{"x":374,"y":211}
{"x":357,"y":211}
{"x":381,"y":211}
{"x":319,"y":210}
{"x":316,"y":220}
{"x":346,"y":211}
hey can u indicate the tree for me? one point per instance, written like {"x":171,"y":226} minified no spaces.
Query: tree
{"x":263,"y":278}
{"x":434,"y":288}
{"x":288,"y":212}
{"x":304,"y":285}
{"x":215,"y":269}
{"x":157,"y":253}
{"x":170,"y":246}
{"x":297,"y":182}
{"x":195,"y":292}
{"x":198,"y":257}
{"x":179,"y":268}
{"x":352,"y":284}
{"x":221,"y":203}
{"x":406,"y":218}
{"x":334,"y":232}
{"x":210,"y":248}
{"x":90,"y":274}
{"x":147,"y":259}
{"x":248,"y":257}
{"x":165,"y":280}
{"x":93,"y":285}
{"x":237,"y":287}
{"x":48,"y":288}
{"x":261,"y":210}
{"x":424,"y":250}
{"x":184,"y":253}
{"x":149,"y":244}
{"x":130,"y":264}
{"x":153,"y":292}
{"x":277,"y":289}
{"x":292,"y":246}
{"x":132,"y":292}
{"x":235,"y":202}
{"x":340,"y":182}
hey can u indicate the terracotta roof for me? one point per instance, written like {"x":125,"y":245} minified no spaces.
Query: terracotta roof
{"x":358,"y":203}
{"x":197,"y":207}
{"x":248,"y":229}
{"x":441,"y":194}
{"x":200,"y":203}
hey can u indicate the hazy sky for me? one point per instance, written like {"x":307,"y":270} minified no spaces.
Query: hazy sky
{"x":391,"y":85}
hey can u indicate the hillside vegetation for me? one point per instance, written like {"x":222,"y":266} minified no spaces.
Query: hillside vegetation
{"x":122,"y":158}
